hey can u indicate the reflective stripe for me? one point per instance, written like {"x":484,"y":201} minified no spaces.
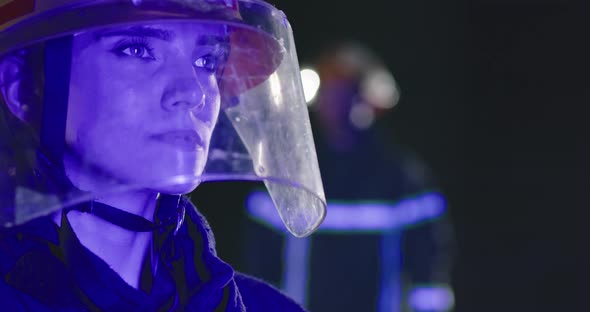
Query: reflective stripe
{"x":359,"y":216}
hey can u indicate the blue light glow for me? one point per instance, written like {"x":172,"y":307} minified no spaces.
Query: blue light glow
{"x":361,"y":216}
{"x":296,"y":273}
{"x":431,"y":298}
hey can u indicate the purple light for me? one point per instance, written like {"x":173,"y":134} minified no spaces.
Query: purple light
{"x":363,"y":216}
{"x":261,"y":207}
{"x":431,"y":298}
{"x":296,"y":273}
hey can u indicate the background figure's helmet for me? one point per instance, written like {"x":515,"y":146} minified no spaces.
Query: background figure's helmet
{"x":357,"y":87}
{"x":262,"y":132}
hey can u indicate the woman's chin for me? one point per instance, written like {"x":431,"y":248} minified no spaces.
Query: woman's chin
{"x":179,"y":188}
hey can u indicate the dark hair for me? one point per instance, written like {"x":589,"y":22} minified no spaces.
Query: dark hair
{"x":20,"y":163}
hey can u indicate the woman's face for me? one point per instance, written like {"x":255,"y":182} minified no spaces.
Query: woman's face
{"x":144,"y":101}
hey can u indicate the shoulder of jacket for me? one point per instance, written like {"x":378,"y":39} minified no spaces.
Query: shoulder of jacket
{"x":259,"y":295}
{"x":34,"y":236}
{"x":15,"y":301}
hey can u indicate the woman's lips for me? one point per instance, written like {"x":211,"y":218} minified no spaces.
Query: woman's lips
{"x":188,"y":140}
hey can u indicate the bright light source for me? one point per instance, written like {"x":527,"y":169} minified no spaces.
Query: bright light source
{"x":311,"y":83}
{"x":380,"y":89}
{"x":432,"y":298}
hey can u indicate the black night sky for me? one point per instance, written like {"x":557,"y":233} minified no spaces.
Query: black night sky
{"x":494,"y":97}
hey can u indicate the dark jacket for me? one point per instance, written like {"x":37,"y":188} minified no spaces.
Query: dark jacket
{"x":46,"y":268}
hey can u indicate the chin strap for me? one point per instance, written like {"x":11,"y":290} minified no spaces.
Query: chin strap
{"x":164,"y":214}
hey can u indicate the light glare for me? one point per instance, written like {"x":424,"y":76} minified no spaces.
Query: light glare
{"x":311,"y":84}
{"x":275,"y":88}
{"x":380,"y":89}
{"x":361,"y":116}
{"x":431,"y":298}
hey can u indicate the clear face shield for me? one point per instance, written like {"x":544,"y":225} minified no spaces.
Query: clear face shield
{"x":103,"y":98}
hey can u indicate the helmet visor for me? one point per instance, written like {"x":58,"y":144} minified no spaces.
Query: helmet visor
{"x":157,"y":96}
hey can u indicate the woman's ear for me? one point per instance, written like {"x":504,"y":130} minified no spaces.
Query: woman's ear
{"x":10,"y":81}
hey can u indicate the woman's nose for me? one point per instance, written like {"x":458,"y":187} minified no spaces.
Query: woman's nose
{"x":184,"y":92}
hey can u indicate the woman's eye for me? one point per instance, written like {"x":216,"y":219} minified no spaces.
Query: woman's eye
{"x":208,"y":62}
{"x":138,"y":51}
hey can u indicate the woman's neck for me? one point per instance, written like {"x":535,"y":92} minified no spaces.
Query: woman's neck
{"x":123,"y":250}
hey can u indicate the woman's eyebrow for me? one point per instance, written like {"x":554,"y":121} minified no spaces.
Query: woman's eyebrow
{"x":136,"y":31}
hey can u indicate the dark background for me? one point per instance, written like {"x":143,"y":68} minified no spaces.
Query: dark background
{"x":494,"y":97}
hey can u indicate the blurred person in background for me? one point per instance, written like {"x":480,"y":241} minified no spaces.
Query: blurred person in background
{"x":361,"y":163}
{"x":384,"y":243}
